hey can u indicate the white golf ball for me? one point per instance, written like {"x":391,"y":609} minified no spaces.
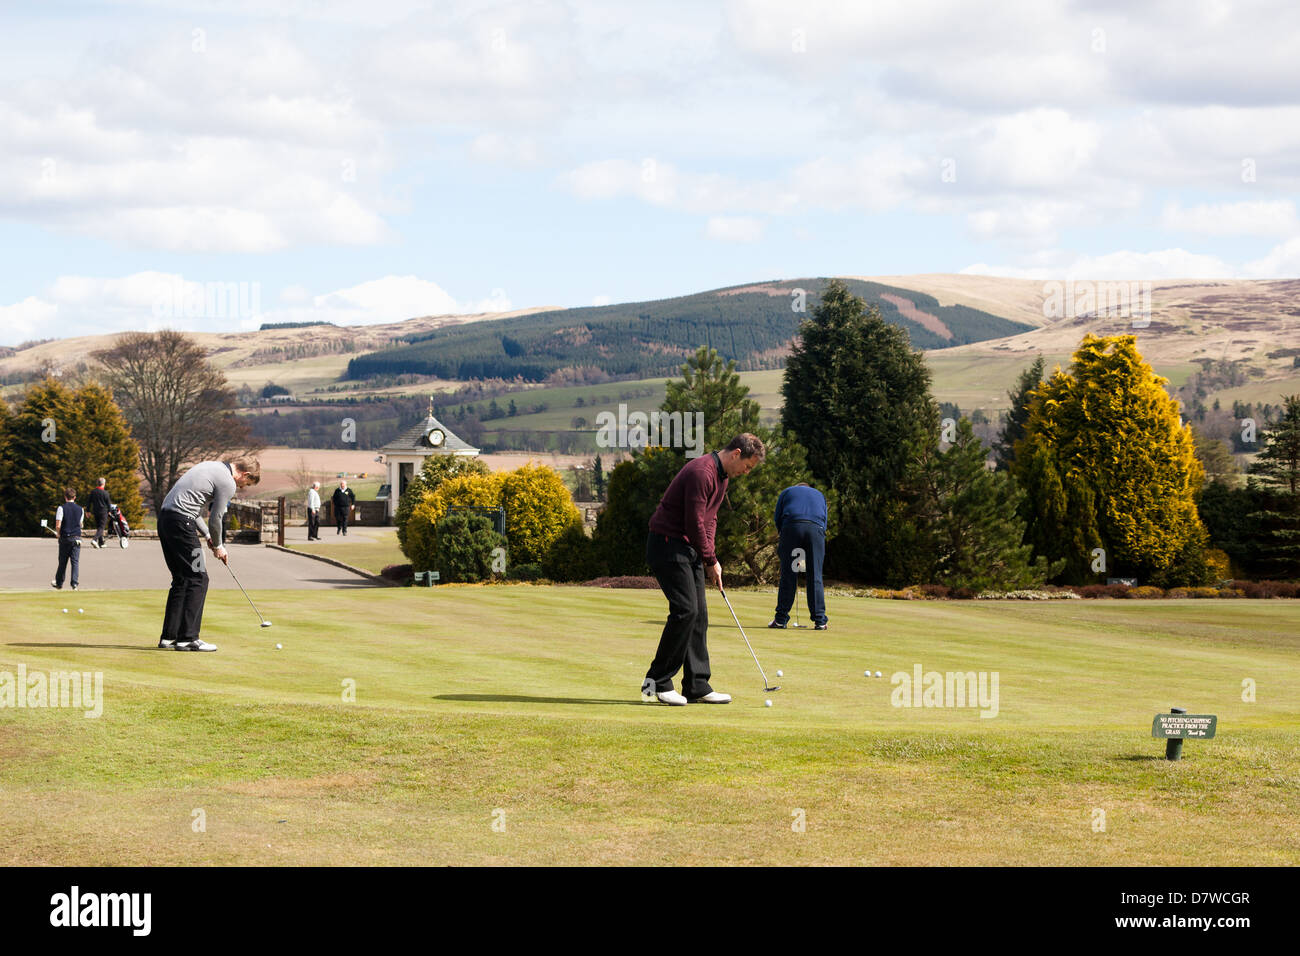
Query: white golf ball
{"x":279,"y":647}
{"x":780,"y":673}
{"x":65,"y":610}
{"x":81,"y":610}
{"x":767,"y":703}
{"x":866,"y":673}
{"x":878,"y":674}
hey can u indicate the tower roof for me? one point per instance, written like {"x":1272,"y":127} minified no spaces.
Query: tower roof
{"x":412,"y":441}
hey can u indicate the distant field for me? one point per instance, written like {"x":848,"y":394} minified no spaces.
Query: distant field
{"x":299,"y":376}
{"x":1255,"y":392}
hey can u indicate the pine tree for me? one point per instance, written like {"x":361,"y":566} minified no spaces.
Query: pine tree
{"x":857,"y":398}
{"x":6,"y":464}
{"x":40,"y":463}
{"x":1275,"y":483}
{"x":1215,"y":457}
{"x":746,"y":539}
{"x":1013,"y":427}
{"x":598,"y":478}
{"x":969,"y":513}
{"x":1105,"y":457}
{"x":59,"y":439}
{"x":102,"y":447}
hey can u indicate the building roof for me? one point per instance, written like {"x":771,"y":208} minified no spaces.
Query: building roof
{"x":411,"y":441}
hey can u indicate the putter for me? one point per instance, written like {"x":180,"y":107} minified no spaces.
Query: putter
{"x":767,"y":686}
{"x":796,"y":597}
{"x":265,"y":622}
{"x":76,"y":541}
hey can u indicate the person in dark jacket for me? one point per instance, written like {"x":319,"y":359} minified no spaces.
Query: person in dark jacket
{"x":67,"y":528}
{"x":681,"y":555}
{"x":801,"y":524}
{"x":99,"y":502}
{"x":342,"y":501}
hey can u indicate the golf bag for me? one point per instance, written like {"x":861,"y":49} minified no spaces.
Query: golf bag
{"x":117,"y":525}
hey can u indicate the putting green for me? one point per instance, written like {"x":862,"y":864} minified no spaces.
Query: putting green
{"x":503,"y":725}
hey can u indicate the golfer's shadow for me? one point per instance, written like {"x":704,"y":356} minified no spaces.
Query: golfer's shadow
{"x":520,"y":699}
{"x":106,"y":647}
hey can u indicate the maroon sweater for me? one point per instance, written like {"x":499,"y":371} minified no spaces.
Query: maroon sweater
{"x":689,"y":508}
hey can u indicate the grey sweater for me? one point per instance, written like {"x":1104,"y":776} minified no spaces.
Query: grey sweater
{"x":208,"y":485}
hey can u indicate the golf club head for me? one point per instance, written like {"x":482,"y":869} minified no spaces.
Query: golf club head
{"x":770,"y":689}
{"x":266,"y":623}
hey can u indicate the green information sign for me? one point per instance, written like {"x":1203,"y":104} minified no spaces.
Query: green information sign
{"x":1184,"y":726}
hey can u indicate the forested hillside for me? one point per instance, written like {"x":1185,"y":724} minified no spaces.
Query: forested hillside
{"x":751,"y":324}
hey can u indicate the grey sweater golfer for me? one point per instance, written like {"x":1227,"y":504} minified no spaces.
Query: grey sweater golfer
{"x":208,"y":485}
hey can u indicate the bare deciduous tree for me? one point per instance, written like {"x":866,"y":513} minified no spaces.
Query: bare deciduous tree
{"x":181,"y":409}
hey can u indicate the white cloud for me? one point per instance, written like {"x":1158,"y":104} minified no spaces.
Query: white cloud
{"x":1281,"y":262}
{"x":392,"y":299}
{"x":244,"y":147}
{"x":1163,"y":264}
{"x":734,"y":229}
{"x":506,"y":149}
{"x":663,"y":184}
{"x":87,"y":305}
{"x":1265,"y":218}
{"x":1031,"y":150}
{"x":31,"y":318}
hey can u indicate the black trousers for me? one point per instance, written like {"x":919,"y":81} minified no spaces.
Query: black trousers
{"x":101,"y":526}
{"x":684,"y":642}
{"x":809,"y":537}
{"x":313,"y":524}
{"x":69,"y":550}
{"x":183,"y":552}
{"x":341,"y":519}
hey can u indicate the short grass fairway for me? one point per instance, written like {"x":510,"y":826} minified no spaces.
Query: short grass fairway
{"x":370,"y":555}
{"x":501,"y":725}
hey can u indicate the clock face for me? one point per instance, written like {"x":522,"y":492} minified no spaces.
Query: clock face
{"x":435,"y":437}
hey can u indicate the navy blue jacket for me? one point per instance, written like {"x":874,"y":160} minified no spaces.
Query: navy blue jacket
{"x":801,"y":503}
{"x":72,"y":518}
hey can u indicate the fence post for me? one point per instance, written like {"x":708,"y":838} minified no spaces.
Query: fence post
{"x":279,"y":527}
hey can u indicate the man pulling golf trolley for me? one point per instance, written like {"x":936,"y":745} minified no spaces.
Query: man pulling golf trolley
{"x":205,"y":488}
{"x":680,"y":552}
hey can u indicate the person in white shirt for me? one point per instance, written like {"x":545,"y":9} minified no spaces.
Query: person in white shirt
{"x":313,"y":512}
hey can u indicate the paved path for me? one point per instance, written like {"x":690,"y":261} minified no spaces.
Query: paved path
{"x":29,"y":564}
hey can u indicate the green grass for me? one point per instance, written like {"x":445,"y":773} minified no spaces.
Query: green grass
{"x":372,"y":556}
{"x":522,"y":700}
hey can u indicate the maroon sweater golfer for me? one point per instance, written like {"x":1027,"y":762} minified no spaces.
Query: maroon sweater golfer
{"x":679,"y":547}
{"x":689,"y":508}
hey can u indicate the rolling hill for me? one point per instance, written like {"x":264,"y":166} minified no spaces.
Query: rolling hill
{"x":751,"y":324}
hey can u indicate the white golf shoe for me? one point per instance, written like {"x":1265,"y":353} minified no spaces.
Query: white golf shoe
{"x":650,"y":695}
{"x":198,"y":644}
{"x":712,"y":697}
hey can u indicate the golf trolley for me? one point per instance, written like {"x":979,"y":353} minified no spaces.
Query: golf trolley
{"x":118,"y":526}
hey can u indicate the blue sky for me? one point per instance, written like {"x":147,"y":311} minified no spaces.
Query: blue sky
{"x":367,"y":162}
